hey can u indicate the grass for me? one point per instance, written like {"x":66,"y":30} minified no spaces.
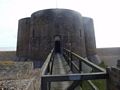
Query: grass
{"x":85,"y":86}
{"x":6,"y":63}
{"x":7,"y":55}
{"x":100,"y":84}
{"x":103,"y":65}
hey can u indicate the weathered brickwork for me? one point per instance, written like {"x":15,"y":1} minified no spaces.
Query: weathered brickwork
{"x":113,"y":83}
{"x":23,"y":38}
{"x":36,"y":35}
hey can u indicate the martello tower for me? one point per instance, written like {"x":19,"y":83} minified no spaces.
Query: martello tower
{"x":58,"y":29}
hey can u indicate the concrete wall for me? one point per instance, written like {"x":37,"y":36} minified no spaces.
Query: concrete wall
{"x":109,"y":55}
{"x":113,"y":82}
{"x":108,"y":51}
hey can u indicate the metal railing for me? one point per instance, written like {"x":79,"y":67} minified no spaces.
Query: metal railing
{"x":75,"y":62}
{"x":69,"y":58}
{"x":47,"y":76}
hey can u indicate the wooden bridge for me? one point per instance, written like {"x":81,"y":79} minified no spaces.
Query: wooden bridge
{"x":65,"y":72}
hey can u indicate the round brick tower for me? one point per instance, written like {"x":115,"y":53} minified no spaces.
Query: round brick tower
{"x":47,"y":24}
{"x":23,"y":38}
{"x":90,"y":42}
{"x":58,"y":29}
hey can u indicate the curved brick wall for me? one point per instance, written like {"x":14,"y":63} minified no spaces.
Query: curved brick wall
{"x":23,"y":37}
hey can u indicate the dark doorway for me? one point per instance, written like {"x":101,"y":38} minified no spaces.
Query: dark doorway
{"x":57,"y":45}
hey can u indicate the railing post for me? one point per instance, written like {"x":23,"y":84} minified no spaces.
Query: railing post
{"x":80,"y":70}
{"x":48,"y":68}
{"x":80,"y":66}
{"x":68,"y":58}
{"x":52,"y":61}
{"x":49,"y":85}
{"x":108,"y":79}
{"x":71,"y":63}
{"x":44,"y":85}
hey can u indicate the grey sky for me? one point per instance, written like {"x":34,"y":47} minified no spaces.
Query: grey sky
{"x":105,"y":13}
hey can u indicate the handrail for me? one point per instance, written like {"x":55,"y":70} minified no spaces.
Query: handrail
{"x":76,"y":77}
{"x":47,"y":77}
{"x":69,"y":56}
{"x":45,"y":65}
{"x":86,"y":61}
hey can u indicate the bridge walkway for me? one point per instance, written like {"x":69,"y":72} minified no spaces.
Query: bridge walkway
{"x":57,"y":74}
{"x":60,"y":67}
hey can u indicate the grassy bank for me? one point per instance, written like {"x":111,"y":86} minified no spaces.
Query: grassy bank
{"x":100,"y":84}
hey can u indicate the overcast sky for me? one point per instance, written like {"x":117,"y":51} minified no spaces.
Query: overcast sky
{"x":105,"y":13}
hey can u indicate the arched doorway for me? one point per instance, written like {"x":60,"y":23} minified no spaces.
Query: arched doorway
{"x":57,"y":44}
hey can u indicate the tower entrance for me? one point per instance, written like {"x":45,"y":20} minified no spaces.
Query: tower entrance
{"x":57,"y":44}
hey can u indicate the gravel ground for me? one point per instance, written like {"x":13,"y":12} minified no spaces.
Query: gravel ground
{"x":14,"y":84}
